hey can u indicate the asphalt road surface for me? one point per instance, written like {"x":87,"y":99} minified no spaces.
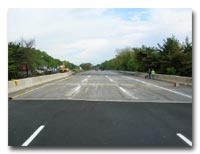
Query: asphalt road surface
{"x":101,"y":109}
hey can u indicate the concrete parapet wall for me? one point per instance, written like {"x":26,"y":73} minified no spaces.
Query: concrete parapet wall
{"x":127,"y":72}
{"x":29,"y":82}
{"x":170,"y":78}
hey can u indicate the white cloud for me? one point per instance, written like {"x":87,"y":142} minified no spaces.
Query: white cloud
{"x":92,"y":35}
{"x":172,"y":21}
{"x":89,"y":49}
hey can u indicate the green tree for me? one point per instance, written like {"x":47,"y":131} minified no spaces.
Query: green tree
{"x":132,"y":65}
{"x":123,"y":56}
{"x":22,"y":53}
{"x":186,"y":61}
{"x":19,"y":54}
{"x":145,"y":58}
{"x":171,"y":57}
{"x":170,"y":54}
{"x":12,"y":66}
{"x":86,"y":66}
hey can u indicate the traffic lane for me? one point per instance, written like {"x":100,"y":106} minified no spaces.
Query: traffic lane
{"x":25,"y":116}
{"x":106,"y":85}
{"x":100,"y":73}
{"x":99,"y":88}
{"x":180,"y":88}
{"x":67,"y":88}
{"x":101,"y":124}
{"x":149,"y":90}
{"x":90,"y":85}
{"x":117,"y":125}
{"x":123,"y":89}
{"x":55,"y":90}
{"x":120,"y":80}
{"x":23,"y":119}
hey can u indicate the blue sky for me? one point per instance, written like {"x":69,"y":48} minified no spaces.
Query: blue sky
{"x":93,"y":35}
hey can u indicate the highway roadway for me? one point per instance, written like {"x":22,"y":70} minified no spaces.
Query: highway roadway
{"x":101,"y":109}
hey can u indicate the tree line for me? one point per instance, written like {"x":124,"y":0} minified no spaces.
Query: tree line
{"x":171,"y":57}
{"x":23,"y":57}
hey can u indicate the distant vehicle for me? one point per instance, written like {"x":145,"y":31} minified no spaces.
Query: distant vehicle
{"x":54,"y":70}
{"x":67,"y":70}
{"x":39,"y":72}
{"x":61,"y":68}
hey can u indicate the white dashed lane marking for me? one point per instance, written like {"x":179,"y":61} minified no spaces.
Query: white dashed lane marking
{"x":73,"y":91}
{"x":31,"y":138}
{"x":109,"y":78}
{"x":186,"y":140}
{"x":122,"y":89}
{"x":127,"y":93}
{"x":159,"y":87}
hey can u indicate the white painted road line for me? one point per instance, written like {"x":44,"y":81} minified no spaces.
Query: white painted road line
{"x":184,"y":139}
{"x":109,"y":78}
{"x":77,"y":88}
{"x":86,"y":89}
{"x":84,"y":80}
{"x":30,"y":139}
{"x":73,"y":91}
{"x":159,"y":87}
{"x":122,"y":89}
{"x":127,"y":93}
{"x":96,"y":86}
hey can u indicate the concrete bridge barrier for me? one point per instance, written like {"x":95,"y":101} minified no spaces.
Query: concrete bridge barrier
{"x":20,"y":84}
{"x":169,"y":78}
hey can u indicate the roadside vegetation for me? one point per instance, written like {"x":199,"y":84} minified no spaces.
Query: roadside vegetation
{"x":171,"y":57}
{"x":25,"y":61}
